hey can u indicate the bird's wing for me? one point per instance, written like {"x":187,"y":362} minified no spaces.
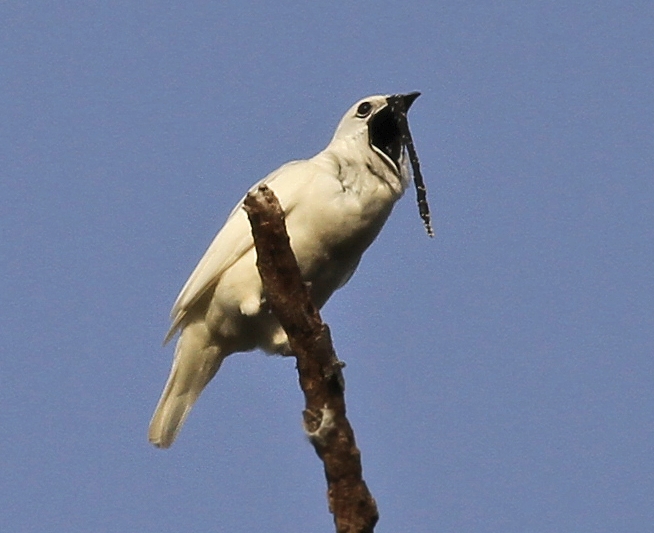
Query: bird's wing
{"x":235,"y":239}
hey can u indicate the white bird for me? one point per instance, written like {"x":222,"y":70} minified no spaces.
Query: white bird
{"x":335,"y":205}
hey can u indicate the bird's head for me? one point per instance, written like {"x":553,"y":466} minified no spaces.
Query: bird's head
{"x":375,"y":132}
{"x":374,"y":122}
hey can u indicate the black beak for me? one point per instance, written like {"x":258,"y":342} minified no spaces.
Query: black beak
{"x":385,"y":133}
{"x":390,"y":135}
{"x":400,"y":103}
{"x":408,"y":99}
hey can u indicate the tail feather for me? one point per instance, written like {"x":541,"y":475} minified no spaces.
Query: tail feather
{"x":194,"y":366}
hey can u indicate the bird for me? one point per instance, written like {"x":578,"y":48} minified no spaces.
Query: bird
{"x":335,"y":205}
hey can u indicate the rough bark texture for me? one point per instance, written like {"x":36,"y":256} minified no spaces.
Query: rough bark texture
{"x":319,"y":369}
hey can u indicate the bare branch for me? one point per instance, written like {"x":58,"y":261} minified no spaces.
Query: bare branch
{"x":318,"y":367}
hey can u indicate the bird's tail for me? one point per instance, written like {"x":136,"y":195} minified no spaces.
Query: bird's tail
{"x":195,"y":363}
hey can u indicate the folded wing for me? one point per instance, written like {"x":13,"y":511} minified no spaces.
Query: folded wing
{"x":235,"y":240}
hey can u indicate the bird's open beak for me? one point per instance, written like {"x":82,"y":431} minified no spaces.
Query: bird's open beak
{"x":385,"y":133}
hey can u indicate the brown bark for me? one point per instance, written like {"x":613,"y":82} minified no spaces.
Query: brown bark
{"x":319,"y":369}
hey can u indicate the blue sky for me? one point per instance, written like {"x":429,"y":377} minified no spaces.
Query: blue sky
{"x":500,"y":377}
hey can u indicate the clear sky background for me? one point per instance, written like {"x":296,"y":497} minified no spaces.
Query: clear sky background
{"x":500,"y":378}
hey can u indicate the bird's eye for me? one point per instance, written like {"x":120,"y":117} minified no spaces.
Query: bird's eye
{"x":364,"y":110}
